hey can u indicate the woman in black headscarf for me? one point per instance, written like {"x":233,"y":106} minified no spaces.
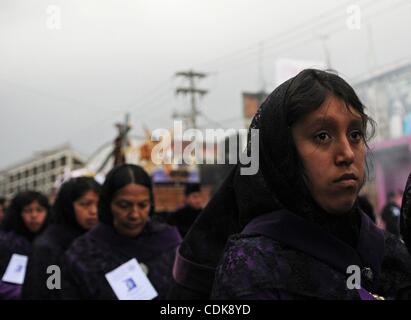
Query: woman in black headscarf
{"x":126,"y":256}
{"x":297,"y":224}
{"x":74,"y":212}
{"x":25,"y":219}
{"x":405,"y":218}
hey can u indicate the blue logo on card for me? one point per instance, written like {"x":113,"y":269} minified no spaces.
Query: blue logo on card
{"x":131,"y":285}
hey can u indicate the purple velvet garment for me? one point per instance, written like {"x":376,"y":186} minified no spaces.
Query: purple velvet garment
{"x":48,"y":249}
{"x":102,"y":250}
{"x":281,"y":256}
{"x":11,"y":243}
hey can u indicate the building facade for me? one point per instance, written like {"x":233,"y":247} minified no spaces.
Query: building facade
{"x":40,"y":172}
{"x":387,"y":96}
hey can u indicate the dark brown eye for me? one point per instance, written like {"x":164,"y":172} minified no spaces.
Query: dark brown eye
{"x":143,"y":205}
{"x":123,"y":205}
{"x":356,"y":135}
{"x":322,"y":137}
{"x":85,"y":203}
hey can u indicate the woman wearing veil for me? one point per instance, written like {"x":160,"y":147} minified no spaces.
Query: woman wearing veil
{"x":127,"y":255}
{"x":294,"y":230}
{"x":405,"y":218}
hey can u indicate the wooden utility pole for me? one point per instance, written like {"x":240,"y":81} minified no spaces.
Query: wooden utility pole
{"x":193,"y":91}
{"x":121,"y":141}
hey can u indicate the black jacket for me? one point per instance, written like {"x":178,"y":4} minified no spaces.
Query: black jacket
{"x":280,"y":256}
{"x":11,"y":243}
{"x":48,"y":250}
{"x":102,"y":250}
{"x":183,"y":218}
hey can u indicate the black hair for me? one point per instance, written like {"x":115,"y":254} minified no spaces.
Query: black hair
{"x":309,"y":90}
{"x":117,"y":178}
{"x":13,"y":220}
{"x":69,"y":192}
{"x":391,"y":195}
{"x":191,"y":188}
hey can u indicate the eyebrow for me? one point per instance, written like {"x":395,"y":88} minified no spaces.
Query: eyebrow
{"x":329,"y":122}
{"x":129,"y":201}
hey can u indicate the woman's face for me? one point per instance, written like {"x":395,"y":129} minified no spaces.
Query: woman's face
{"x":130,"y":207}
{"x":34,"y":216}
{"x":85,"y":209}
{"x":330,"y":142}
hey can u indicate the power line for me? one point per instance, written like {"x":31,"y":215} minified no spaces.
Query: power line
{"x":292,"y":37}
{"x":329,"y":15}
{"x":308,"y":37}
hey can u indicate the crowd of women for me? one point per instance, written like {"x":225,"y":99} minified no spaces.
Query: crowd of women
{"x":291,"y":231}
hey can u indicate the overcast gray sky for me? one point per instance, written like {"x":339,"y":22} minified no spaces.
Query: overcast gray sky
{"x":111,"y":56}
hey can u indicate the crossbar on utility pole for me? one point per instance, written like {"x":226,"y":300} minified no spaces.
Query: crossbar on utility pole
{"x":193,"y":91}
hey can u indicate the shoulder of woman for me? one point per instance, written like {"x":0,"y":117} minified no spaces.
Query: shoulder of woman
{"x":15,"y":242}
{"x":247,"y":252}
{"x":394,"y":246}
{"x":56,"y":236}
{"x":249,"y":264}
{"x":396,"y":253}
{"x":160,"y":227}
{"x":396,"y":266}
{"x":82,"y":247}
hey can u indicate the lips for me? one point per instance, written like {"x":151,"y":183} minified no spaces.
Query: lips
{"x":347,"y":177}
{"x":35,"y":225}
{"x":134,"y":225}
{"x":348,"y":180}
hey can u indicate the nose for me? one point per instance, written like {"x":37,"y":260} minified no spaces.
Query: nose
{"x":135,"y":212}
{"x":33,"y":215}
{"x":93,"y":210}
{"x":345,"y":154}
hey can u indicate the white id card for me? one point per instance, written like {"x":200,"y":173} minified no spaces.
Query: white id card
{"x":129,"y":282}
{"x":16,"y":269}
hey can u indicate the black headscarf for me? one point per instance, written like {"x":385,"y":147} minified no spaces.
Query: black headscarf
{"x":279,"y":182}
{"x":405,"y":219}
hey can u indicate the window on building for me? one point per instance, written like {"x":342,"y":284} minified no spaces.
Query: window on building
{"x":53,"y":164}
{"x":77,"y":164}
{"x":35,"y":170}
{"x":63,"y":161}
